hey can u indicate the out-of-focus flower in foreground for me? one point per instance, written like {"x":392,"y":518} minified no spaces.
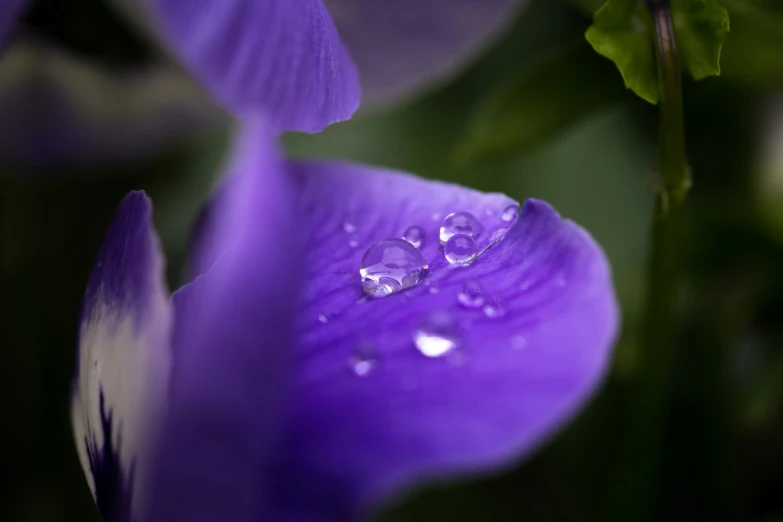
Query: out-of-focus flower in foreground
{"x":349,"y":332}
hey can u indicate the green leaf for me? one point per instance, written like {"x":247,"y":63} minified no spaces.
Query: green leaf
{"x":701,"y":27}
{"x":556,"y":92}
{"x":623,"y":32}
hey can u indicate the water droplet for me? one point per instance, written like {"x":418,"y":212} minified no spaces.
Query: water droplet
{"x":353,"y":242}
{"x":391,"y":265}
{"x":460,"y":250}
{"x":435,"y":216}
{"x":471,"y":295}
{"x":438,"y":335}
{"x":349,"y":227}
{"x":434,"y":290}
{"x":322,"y":318}
{"x":510,"y":213}
{"x":518,"y":342}
{"x":494,"y":308}
{"x":363,"y":361}
{"x":497,"y":235}
{"x":460,"y":223}
{"x":414,"y":235}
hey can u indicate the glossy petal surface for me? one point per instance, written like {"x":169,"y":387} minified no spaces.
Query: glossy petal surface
{"x":123,"y":362}
{"x":279,"y":59}
{"x":371,"y":413}
{"x":404,"y":44}
{"x":231,"y":345}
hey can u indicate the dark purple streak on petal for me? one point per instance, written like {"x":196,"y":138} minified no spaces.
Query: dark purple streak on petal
{"x":123,"y":361}
{"x":402,"y":45}
{"x":354,"y":440}
{"x":232,"y":342}
{"x":282,"y":60}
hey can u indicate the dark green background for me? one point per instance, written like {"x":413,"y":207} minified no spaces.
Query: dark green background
{"x":721,"y":441}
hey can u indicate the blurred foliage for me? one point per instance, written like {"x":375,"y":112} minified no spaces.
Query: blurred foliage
{"x":566,"y":131}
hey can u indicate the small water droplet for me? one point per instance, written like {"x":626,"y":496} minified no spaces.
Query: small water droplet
{"x":349,"y":227}
{"x":434,"y":290}
{"x":460,"y":250}
{"x":438,"y":335}
{"x":494,"y":308}
{"x":363,"y":361}
{"x":497,"y":235}
{"x":471,"y":295}
{"x":435,"y":216}
{"x":322,"y":318}
{"x":353,"y":242}
{"x":463,"y":223}
{"x":414,"y":235}
{"x":391,"y":265}
{"x":518,"y":342}
{"x":510,"y":213}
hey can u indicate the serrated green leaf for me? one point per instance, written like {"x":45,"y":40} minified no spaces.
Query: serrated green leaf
{"x":701,"y":27}
{"x":623,"y":32}
{"x":556,"y":92}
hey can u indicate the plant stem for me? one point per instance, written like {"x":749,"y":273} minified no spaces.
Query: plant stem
{"x":640,"y":477}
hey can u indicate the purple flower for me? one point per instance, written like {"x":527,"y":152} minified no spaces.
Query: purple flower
{"x":284,"y":59}
{"x":272,"y":387}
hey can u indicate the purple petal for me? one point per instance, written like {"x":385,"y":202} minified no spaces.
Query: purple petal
{"x":10,"y":11}
{"x":280,"y":59}
{"x":231,"y":344}
{"x":124,"y":356}
{"x":371,"y":414}
{"x":66,"y":111}
{"x":403,"y":44}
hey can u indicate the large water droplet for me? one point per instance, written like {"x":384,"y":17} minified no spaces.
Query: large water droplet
{"x":391,"y":265}
{"x":471,"y":295}
{"x":494,"y":308}
{"x":460,"y":250}
{"x":363,"y":361}
{"x":414,"y":235}
{"x":460,"y":223}
{"x":438,"y":335}
{"x":510,"y":213}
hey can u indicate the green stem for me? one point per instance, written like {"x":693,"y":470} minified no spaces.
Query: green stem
{"x":639,"y":480}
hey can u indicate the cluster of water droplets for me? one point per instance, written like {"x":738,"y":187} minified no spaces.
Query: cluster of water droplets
{"x":395,"y":264}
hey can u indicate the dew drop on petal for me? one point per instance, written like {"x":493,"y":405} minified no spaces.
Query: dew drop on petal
{"x":353,"y":242}
{"x":414,"y":235}
{"x":349,"y":227}
{"x":460,"y":250}
{"x":391,"y":265}
{"x":434,"y":290}
{"x":497,"y":235}
{"x":438,"y":335}
{"x":494,"y":308}
{"x":460,"y":223}
{"x":510,"y":213}
{"x":363,"y":361}
{"x":471,"y":295}
{"x":322,"y":318}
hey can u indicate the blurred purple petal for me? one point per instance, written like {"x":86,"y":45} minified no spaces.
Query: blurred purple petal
{"x":123,"y":361}
{"x":371,"y":414}
{"x":10,"y":11}
{"x":280,"y":59}
{"x":402,"y":45}
{"x":55,"y":108}
{"x":233,"y":333}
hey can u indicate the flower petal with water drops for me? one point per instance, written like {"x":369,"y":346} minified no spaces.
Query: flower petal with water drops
{"x":123,"y":361}
{"x":281,"y":59}
{"x":232,"y":340}
{"x":403,"y":45}
{"x":418,"y":382}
